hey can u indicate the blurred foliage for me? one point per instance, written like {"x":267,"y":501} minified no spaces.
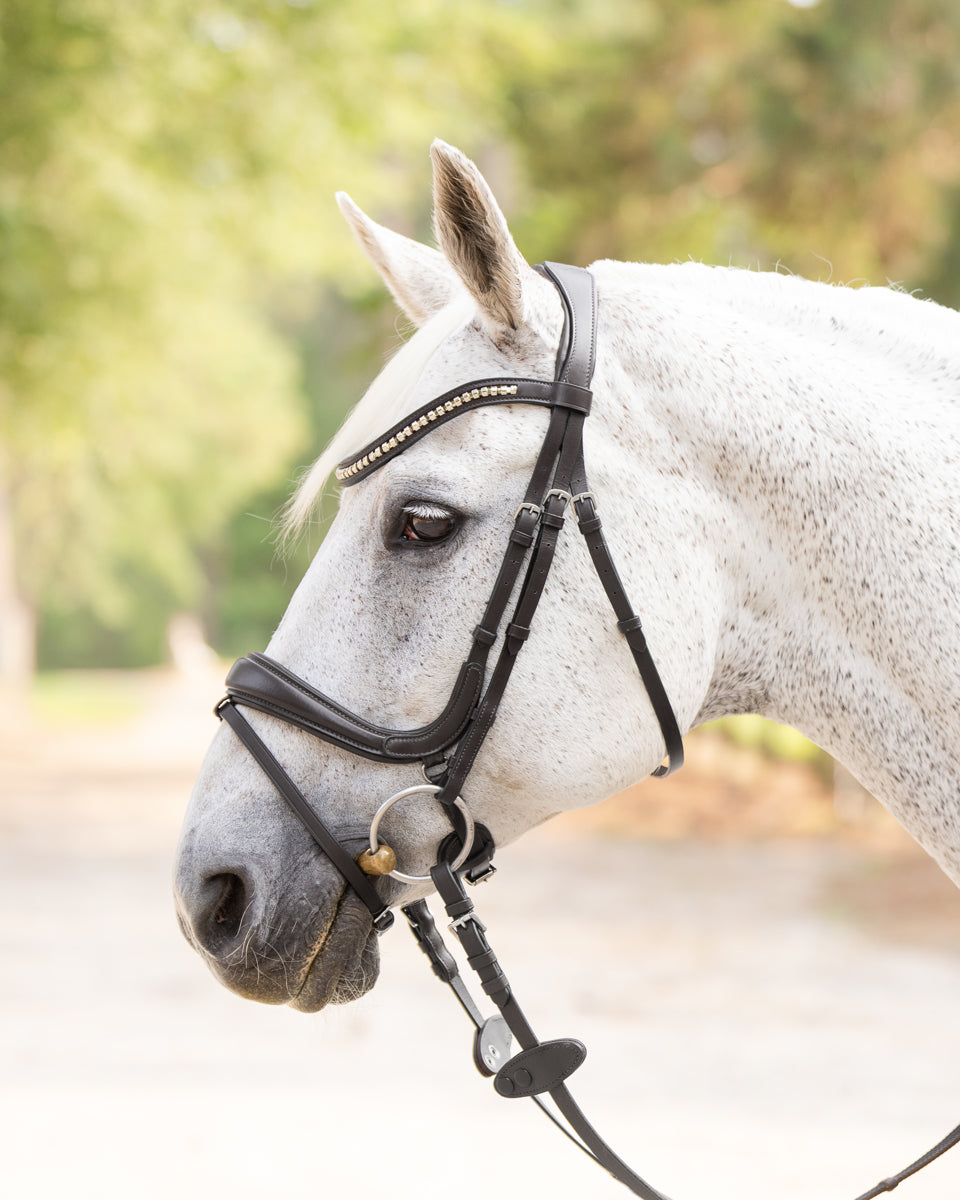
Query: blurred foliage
{"x":79,"y":698}
{"x":159,"y":183}
{"x":183,"y":319}
{"x":774,"y":740}
{"x":825,"y":138}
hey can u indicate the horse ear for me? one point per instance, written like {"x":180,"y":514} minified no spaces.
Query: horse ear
{"x":419,"y":278}
{"x":473,"y":234}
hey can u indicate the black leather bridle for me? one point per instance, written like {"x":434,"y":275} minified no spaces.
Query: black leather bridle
{"x":447,"y":748}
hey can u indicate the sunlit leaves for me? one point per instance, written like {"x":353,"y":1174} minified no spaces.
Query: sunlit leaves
{"x":166,"y":213}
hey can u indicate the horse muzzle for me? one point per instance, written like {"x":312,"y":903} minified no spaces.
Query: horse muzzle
{"x":301,"y":937}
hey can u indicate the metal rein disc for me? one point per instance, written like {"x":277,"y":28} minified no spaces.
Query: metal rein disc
{"x":431,"y":789}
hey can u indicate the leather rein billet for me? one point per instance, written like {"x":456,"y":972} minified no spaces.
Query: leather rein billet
{"x":447,"y":747}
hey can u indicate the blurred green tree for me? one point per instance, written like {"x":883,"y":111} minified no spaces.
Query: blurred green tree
{"x":824,"y":137}
{"x":159,"y":174}
{"x":174,"y":275}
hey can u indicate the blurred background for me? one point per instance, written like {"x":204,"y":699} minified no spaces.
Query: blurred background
{"x":184,"y":320}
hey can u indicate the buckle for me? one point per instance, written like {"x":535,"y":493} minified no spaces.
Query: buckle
{"x":439,"y":767}
{"x":467,"y":919}
{"x":482,"y":876}
{"x":534,"y":508}
{"x":563,"y":495}
{"x":383,"y":920}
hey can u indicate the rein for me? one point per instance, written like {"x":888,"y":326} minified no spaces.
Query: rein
{"x":447,"y":747}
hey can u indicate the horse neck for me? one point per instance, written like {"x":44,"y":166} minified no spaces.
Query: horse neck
{"x":826,"y":455}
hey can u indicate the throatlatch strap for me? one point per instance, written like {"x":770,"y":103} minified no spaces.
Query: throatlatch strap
{"x":630,"y":626}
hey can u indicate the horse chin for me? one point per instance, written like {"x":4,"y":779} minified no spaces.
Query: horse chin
{"x":347,"y":963}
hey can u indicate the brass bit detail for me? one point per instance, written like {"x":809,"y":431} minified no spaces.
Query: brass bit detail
{"x":379,"y":862}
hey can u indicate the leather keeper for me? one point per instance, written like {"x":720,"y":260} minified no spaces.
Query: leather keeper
{"x":551,"y":520}
{"x":521,"y":537}
{"x":459,"y":908}
{"x":496,"y":986}
{"x":479,"y":862}
{"x":632,"y":630}
{"x":483,"y":960}
{"x":519,"y":633}
{"x":571,"y":395}
{"x":590,"y":525}
{"x":484,"y":636}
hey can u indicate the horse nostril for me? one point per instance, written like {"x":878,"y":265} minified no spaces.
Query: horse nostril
{"x":228,"y":905}
{"x":217,"y":905}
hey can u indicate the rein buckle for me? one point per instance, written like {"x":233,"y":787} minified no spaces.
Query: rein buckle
{"x":467,"y":919}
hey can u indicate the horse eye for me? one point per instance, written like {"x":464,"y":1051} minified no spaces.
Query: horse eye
{"x":426,"y":524}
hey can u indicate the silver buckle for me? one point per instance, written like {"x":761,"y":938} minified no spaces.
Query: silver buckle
{"x":484,"y":875}
{"x":564,"y":496}
{"x":383,"y":921}
{"x":426,"y":776}
{"x":466,"y":919}
{"x":534,"y":508}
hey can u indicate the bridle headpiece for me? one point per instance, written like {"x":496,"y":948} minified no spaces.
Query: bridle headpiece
{"x":447,"y":747}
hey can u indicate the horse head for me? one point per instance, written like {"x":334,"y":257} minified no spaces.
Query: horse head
{"x":384,"y":614}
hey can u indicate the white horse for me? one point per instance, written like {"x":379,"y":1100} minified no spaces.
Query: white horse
{"x":778,"y":467}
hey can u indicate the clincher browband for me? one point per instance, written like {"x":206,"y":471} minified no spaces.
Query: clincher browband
{"x":557,"y":394}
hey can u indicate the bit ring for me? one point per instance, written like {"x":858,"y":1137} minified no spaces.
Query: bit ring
{"x":432,"y":789}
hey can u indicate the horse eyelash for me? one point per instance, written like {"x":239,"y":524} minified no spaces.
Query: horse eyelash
{"x":426,"y":511}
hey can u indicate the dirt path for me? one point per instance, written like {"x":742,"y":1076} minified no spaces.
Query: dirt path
{"x":766,"y":1019}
